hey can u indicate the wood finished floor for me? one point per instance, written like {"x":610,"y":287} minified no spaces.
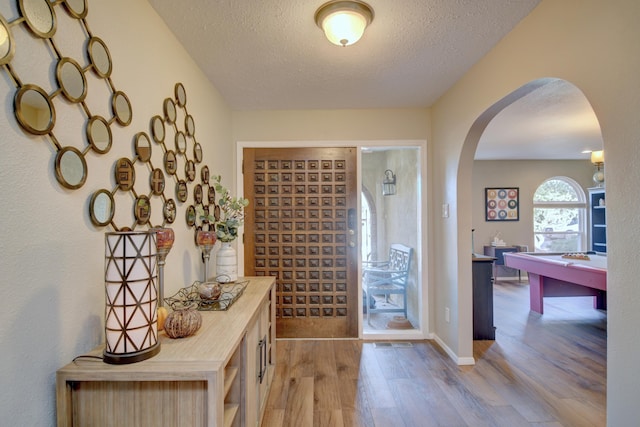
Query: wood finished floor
{"x":545,"y":370}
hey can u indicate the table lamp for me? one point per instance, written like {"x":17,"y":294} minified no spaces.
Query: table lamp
{"x":131,"y":298}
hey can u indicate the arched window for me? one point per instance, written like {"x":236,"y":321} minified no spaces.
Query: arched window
{"x":559,"y":216}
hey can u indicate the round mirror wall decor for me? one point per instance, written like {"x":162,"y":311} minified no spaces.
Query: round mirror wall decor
{"x":125,"y":174}
{"x":71,"y":168}
{"x":99,"y":135}
{"x":191,"y":216}
{"x":197,"y":152}
{"x":190,"y":170}
{"x":181,"y":191}
{"x":71,"y":80}
{"x":101,"y":208}
{"x":181,"y":143}
{"x":142,"y":210}
{"x":143,"y":147}
{"x":7,"y":44}
{"x":204,"y":174}
{"x":156,"y":182}
{"x":157,"y":129}
{"x":76,"y":8}
{"x":197,"y":194}
{"x":211,"y":196}
{"x":181,"y":95}
{"x":39,"y":17}
{"x":34,"y":110}
{"x":99,"y":57}
{"x":170,"y":211}
{"x":190,"y":125}
{"x":170,"y":110}
{"x":121,"y":108}
{"x":170,"y":162}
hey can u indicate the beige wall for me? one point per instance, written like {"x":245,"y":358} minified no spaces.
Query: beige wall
{"x":527,"y":175}
{"x":592,"y":44}
{"x":51,"y":257}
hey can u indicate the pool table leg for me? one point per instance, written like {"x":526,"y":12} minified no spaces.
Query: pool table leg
{"x":535,"y":293}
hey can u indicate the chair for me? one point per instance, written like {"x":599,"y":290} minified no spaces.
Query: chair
{"x":387,"y":278}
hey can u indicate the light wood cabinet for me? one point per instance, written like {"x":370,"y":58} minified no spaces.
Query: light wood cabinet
{"x":208,"y":379}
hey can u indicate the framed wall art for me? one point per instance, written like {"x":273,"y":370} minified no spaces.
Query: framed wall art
{"x":501,"y":204}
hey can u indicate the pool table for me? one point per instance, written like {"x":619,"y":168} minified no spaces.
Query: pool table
{"x":551,"y":275}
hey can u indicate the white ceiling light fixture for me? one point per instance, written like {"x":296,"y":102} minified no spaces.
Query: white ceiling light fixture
{"x":344,"y":22}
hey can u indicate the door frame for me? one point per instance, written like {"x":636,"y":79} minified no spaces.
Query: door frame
{"x":424,"y":330}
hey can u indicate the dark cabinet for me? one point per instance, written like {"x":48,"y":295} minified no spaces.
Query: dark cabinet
{"x":483,"y":328}
{"x":598,"y":220}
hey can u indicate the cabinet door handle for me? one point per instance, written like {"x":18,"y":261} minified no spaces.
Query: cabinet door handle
{"x":262,"y":348}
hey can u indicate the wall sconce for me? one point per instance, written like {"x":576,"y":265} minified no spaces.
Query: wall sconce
{"x":344,"y":22}
{"x":131,"y":299}
{"x":389,"y":183}
{"x":597,"y":158}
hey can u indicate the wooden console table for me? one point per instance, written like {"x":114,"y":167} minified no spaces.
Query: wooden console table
{"x":218,"y":377}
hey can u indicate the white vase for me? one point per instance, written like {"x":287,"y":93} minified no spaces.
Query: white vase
{"x":226,"y":263}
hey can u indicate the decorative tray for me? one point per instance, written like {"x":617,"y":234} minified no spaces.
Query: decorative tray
{"x":229,"y":294}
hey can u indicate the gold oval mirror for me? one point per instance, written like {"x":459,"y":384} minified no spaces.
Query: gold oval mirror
{"x":7,"y":46}
{"x":181,"y":143}
{"x":170,"y":162}
{"x":204,"y":174}
{"x":99,"y":57}
{"x":142,"y":210}
{"x":143,"y":147}
{"x":34,"y":110}
{"x":181,"y":95}
{"x":189,"y":125}
{"x":71,"y":80}
{"x":125,"y":174}
{"x":197,"y":194}
{"x":71,"y":168}
{"x":191,"y":216}
{"x":121,"y":108}
{"x":190,"y":170}
{"x":211,"y":195}
{"x":170,"y":110}
{"x":99,"y":134}
{"x":156,"y":182}
{"x":76,"y":8}
{"x":101,"y":208}
{"x":197,"y":152}
{"x":169,"y":211}
{"x":39,"y":16}
{"x":181,"y":191}
{"x":157,"y":129}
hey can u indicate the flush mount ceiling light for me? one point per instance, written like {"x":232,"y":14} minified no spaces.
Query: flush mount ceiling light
{"x":343,"y":22}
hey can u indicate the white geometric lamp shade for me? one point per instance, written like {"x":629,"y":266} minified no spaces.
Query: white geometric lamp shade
{"x":131,"y":297}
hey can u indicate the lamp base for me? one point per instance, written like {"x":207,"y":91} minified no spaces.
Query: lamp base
{"x":138,"y":356}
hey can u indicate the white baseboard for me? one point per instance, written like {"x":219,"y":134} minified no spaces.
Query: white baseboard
{"x":460,"y":361}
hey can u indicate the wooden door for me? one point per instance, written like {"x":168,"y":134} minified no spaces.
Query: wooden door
{"x":301,"y":227}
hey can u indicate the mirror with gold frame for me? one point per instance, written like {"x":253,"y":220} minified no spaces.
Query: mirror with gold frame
{"x":34,"y":110}
{"x":157,"y":129}
{"x":76,"y":8}
{"x":191,"y":216}
{"x":181,"y":143}
{"x":7,"y":42}
{"x":100,"y":57}
{"x":189,"y":125}
{"x":157,"y":182}
{"x":99,"y":134}
{"x":197,"y":194}
{"x":204,"y":174}
{"x":125,"y":174}
{"x":181,"y":95}
{"x":170,"y":110}
{"x":142,"y":210}
{"x":121,"y":108}
{"x":181,"y":191}
{"x":39,"y":16}
{"x":190,"y":170}
{"x":169,"y":211}
{"x":101,"y":208}
{"x":71,"y":80}
{"x":170,"y":162}
{"x":143,"y":147}
{"x":71,"y":168}
{"x":197,"y":152}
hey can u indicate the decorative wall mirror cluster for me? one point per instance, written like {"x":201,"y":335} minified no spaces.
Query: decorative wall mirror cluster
{"x":35,"y":112}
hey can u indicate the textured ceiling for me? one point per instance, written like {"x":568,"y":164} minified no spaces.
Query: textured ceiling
{"x":270,"y":55}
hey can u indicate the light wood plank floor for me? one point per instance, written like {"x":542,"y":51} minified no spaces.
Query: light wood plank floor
{"x":545,"y":370}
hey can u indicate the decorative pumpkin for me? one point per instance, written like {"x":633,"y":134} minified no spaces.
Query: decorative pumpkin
{"x":183,"y":322}
{"x":162,"y":316}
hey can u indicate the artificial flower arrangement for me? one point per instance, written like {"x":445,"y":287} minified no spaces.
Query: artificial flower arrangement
{"x":230,"y":213}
